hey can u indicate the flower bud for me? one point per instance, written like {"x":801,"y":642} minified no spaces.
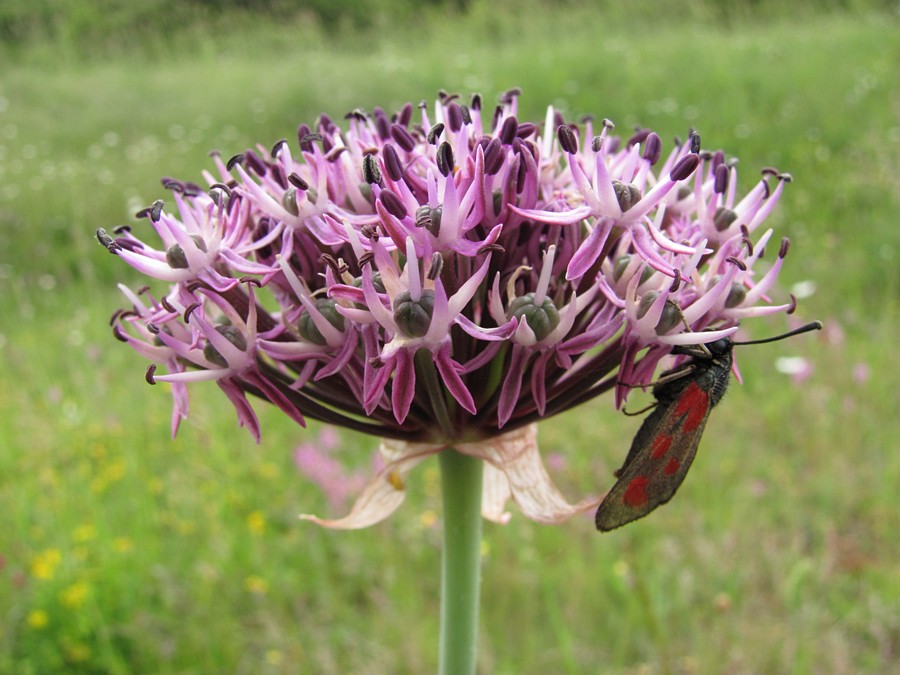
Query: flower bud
{"x":542,"y":319}
{"x":626,"y":194}
{"x":414,"y":317}
{"x":234,"y":336}
{"x":736,"y":295}
{"x":176,"y":258}
{"x":429,"y":218}
{"x":667,"y":320}
{"x":289,"y":202}
{"x":723,"y":218}
{"x":620,"y":266}
{"x":307,"y":327}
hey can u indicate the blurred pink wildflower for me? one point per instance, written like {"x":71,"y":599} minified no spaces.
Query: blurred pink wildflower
{"x":446,"y":278}
{"x":315,"y":459}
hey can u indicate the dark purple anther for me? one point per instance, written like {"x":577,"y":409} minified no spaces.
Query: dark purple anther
{"x":652,"y":148}
{"x":192,"y":189}
{"x":498,"y":111}
{"x":685,"y":167}
{"x":392,"y":164}
{"x":466,"y":115}
{"x":567,"y":139}
{"x":302,"y":132}
{"x":393,"y":204}
{"x":153,"y":211}
{"x":476,"y":102}
{"x":526,"y":129}
{"x":558,"y":119}
{"x":278,"y":175}
{"x":403,"y":138}
{"x":493,"y":157}
{"x":295,"y":180}
{"x":437,"y":264}
{"x":521,"y":175}
{"x":371,"y":172}
{"x":510,"y":95}
{"x":255,"y":163}
{"x":435,"y":133}
{"x":190,"y":310}
{"x":638,"y":137}
{"x":307,"y":143}
{"x":230,"y":164}
{"x":717,"y":159}
{"x":720,"y":185}
{"x":325,"y":124}
{"x":454,"y":117}
{"x":793,"y":307}
{"x":445,"y":159}
{"x":508,"y":130}
{"x":405,"y":115}
{"x":737,"y":262}
{"x":382,"y":123}
{"x":106,"y":241}
{"x":334,"y":152}
{"x":277,"y":148}
{"x":785,"y":246}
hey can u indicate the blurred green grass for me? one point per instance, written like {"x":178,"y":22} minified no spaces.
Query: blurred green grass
{"x":123,"y":551}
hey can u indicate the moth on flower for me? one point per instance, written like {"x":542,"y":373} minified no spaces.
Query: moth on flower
{"x":446,"y":276}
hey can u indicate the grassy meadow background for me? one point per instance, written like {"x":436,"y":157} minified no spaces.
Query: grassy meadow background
{"x":123,"y":551}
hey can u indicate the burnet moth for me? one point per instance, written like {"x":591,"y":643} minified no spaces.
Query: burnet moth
{"x":667,"y":441}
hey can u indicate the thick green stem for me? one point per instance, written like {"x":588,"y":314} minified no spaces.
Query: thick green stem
{"x":461,"y":478}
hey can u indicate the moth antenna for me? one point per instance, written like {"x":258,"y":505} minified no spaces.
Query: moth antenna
{"x":813,"y":325}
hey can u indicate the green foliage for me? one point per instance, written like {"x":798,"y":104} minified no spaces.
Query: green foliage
{"x":124,"y":551}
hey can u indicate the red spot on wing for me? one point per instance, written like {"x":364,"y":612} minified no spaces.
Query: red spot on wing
{"x":672,"y":467}
{"x":636,"y":492}
{"x":660,"y":446}
{"x":694,"y":404}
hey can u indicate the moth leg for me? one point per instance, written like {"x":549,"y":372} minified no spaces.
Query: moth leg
{"x":684,"y":371}
{"x":641,"y":411}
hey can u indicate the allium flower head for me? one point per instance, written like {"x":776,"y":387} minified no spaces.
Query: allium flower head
{"x":445,"y":277}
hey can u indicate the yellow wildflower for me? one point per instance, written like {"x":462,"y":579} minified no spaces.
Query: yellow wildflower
{"x":43,"y":565}
{"x":37,"y":619}
{"x":74,"y":596}
{"x":256,"y":585}
{"x":256,"y":521}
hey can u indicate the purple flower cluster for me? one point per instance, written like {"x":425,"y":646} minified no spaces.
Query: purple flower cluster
{"x":445,"y":274}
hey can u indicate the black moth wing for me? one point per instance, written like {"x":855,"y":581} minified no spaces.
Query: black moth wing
{"x":673,"y":382}
{"x":666,"y":443}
